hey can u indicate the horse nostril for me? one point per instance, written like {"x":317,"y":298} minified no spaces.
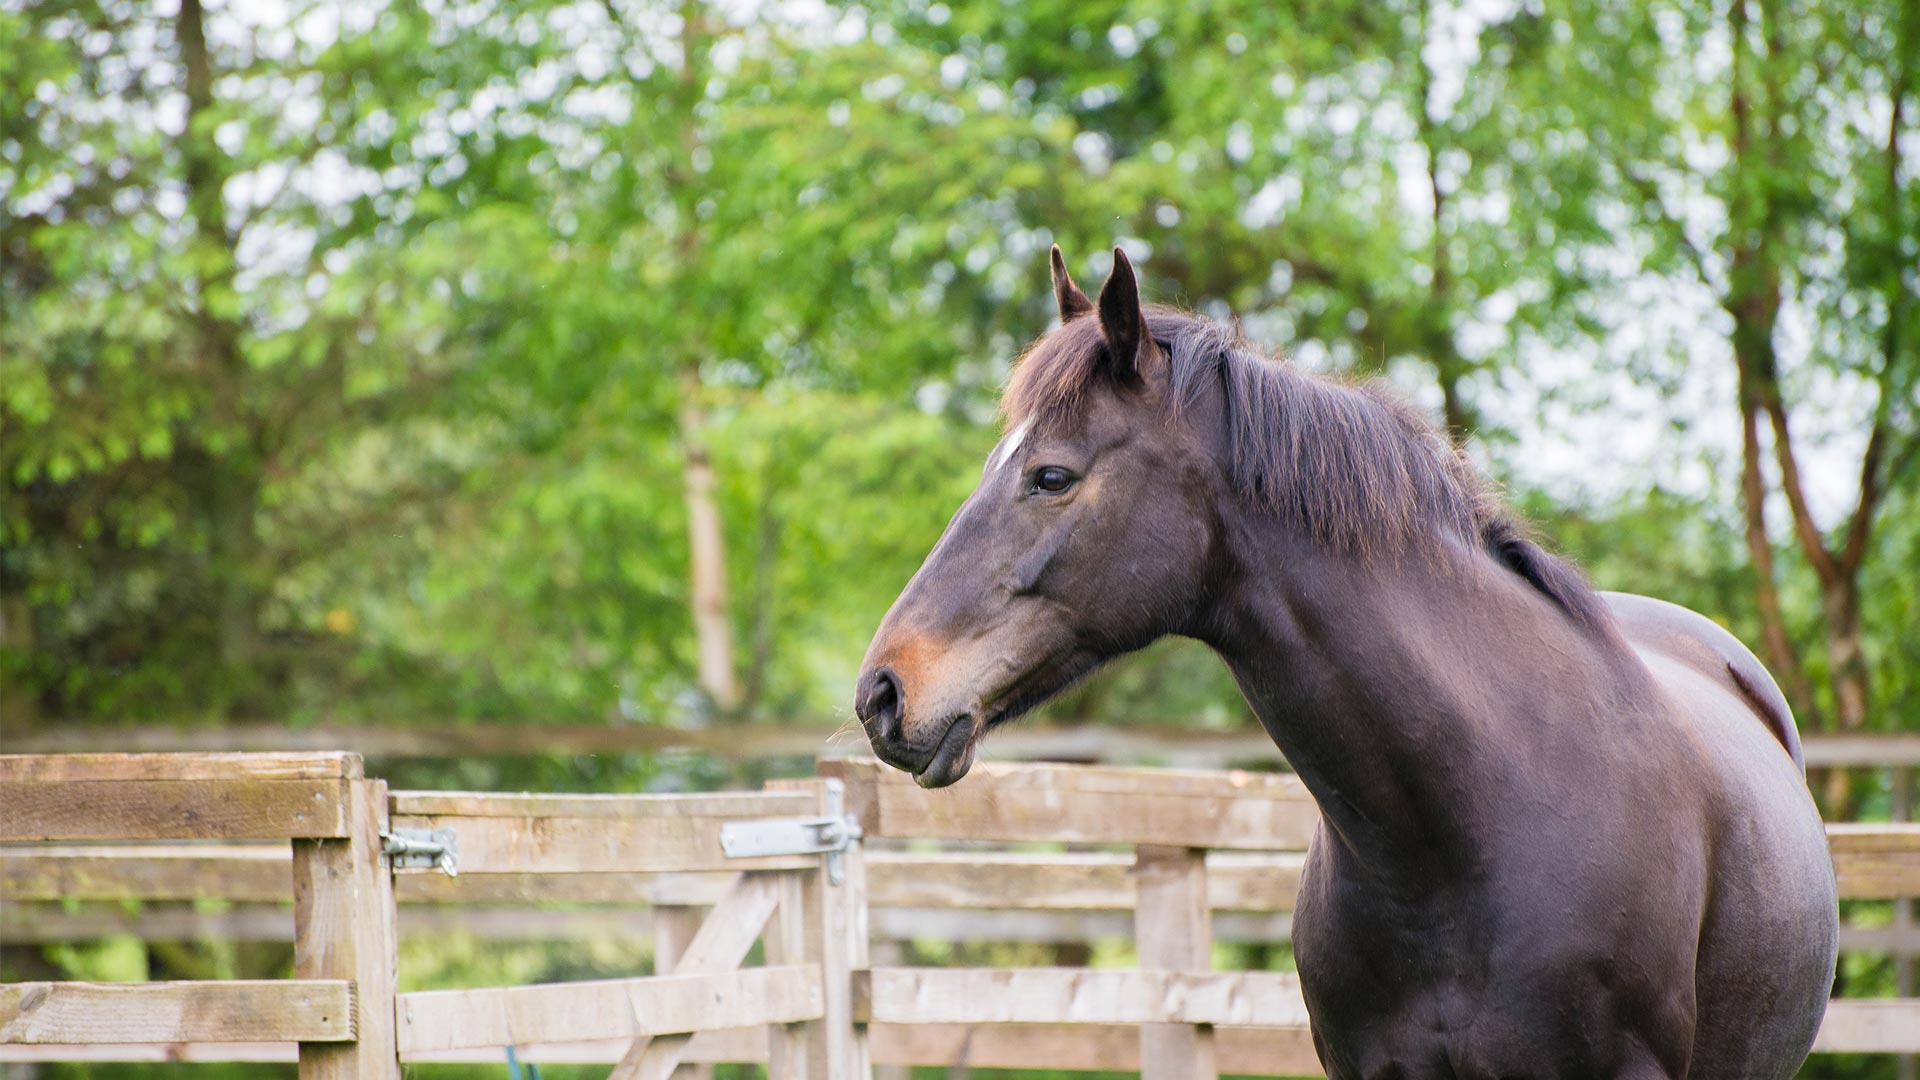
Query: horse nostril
{"x":878,"y":703}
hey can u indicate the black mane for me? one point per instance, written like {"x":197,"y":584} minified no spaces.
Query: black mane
{"x":1352,"y":464}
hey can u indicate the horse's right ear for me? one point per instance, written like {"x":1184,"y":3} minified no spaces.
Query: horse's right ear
{"x":1071,"y":300}
{"x":1122,"y":321}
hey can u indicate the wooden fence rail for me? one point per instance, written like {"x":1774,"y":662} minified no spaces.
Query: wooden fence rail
{"x":1178,"y":860}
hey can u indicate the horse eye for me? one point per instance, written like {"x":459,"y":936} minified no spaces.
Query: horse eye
{"x":1052,"y":479}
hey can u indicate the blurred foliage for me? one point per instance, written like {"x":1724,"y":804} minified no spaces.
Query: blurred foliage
{"x":342,"y":344}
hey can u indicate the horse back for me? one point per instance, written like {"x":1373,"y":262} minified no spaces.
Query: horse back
{"x":1692,"y":639}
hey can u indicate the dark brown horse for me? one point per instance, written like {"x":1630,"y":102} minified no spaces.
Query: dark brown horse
{"x":1564,"y":833}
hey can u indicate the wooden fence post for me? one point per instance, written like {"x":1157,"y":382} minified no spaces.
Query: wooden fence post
{"x":1904,"y":983}
{"x":343,"y":928}
{"x":821,"y":922}
{"x":1173,"y":928}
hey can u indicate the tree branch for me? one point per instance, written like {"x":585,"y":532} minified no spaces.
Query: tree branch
{"x":1873,"y":479}
{"x":1664,"y":219}
{"x":1781,"y":655}
{"x":1819,"y":556}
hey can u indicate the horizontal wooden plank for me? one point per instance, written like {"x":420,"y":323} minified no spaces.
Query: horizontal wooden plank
{"x":1082,"y":1047}
{"x":46,"y":924}
{"x":32,"y":924}
{"x":262,"y":873}
{"x":1056,"y":927}
{"x":1078,"y":881}
{"x":1853,"y":1026}
{"x":1870,"y":1026}
{"x":684,"y":889}
{"x":1875,"y":861}
{"x":302,"y":1010}
{"x":1862,"y":751}
{"x":40,"y":923}
{"x":909,"y":995}
{"x":1233,"y":810}
{"x":720,"y":804}
{"x":238,"y":872}
{"x":173,"y":810}
{"x":71,"y":768}
{"x":591,"y":845}
{"x":1870,"y":861}
{"x":432,"y":1020}
{"x":248,"y":1052}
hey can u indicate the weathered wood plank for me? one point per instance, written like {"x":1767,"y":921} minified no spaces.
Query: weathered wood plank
{"x":71,"y":768}
{"x":1174,"y":932}
{"x":1876,"y":861}
{"x":314,"y":1010}
{"x":591,"y":845}
{"x":51,"y":923}
{"x":41,"y":923}
{"x":172,"y":809}
{"x":1083,"y":1047}
{"x":343,"y":928}
{"x":1078,"y":996}
{"x":1096,"y":881}
{"x":261,"y":1052}
{"x":1871,"y":861}
{"x":720,"y":804}
{"x":432,"y":1020}
{"x":1870,"y":1026}
{"x":1075,"y":881}
{"x":241,"y":873}
{"x":700,"y":888}
{"x":1235,"y":810}
{"x":1055,"y":927}
{"x":1853,"y":1026}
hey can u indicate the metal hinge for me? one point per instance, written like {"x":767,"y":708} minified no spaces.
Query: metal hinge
{"x":830,"y":834}
{"x":421,"y":849}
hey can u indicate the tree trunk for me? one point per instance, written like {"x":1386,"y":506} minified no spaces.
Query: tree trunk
{"x":1442,"y":350}
{"x":712,"y":628}
{"x":713,"y":631}
{"x":229,"y":489}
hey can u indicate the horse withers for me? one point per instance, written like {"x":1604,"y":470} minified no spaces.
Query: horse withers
{"x":1564,"y":833}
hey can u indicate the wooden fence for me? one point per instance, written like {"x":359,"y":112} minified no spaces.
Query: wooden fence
{"x":1170,"y":849}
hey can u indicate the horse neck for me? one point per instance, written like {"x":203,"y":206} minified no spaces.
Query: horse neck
{"x":1409,"y":692}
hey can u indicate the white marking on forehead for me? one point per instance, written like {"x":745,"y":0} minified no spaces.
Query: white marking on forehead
{"x":1009,"y":445}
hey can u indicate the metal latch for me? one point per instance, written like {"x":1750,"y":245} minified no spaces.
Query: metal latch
{"x":829,"y":834}
{"x":421,"y":849}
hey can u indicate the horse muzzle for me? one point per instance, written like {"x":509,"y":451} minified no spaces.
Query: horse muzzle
{"x":936,"y":757}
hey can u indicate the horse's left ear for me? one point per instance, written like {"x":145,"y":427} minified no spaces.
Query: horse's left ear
{"x":1068,"y":295}
{"x":1122,"y":322}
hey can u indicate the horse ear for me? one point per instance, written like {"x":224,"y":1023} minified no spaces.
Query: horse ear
{"x":1122,"y":322}
{"x":1072,"y":301}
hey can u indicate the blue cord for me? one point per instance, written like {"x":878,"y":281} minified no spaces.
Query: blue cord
{"x":513,"y":1067}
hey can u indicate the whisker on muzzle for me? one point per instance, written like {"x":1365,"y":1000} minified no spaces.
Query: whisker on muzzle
{"x":848,"y":727}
